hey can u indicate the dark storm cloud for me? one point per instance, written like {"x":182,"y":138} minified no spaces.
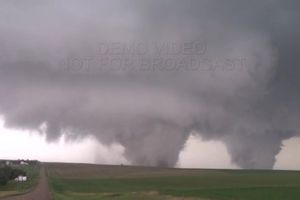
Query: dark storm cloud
{"x":145,"y":74}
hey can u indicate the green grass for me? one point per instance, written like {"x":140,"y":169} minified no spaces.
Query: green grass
{"x":154,"y":183}
{"x":12,"y":188}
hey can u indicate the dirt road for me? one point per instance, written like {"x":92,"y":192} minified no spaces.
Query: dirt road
{"x":40,"y":192}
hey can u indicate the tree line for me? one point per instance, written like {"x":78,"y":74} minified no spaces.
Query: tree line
{"x":8,"y":173}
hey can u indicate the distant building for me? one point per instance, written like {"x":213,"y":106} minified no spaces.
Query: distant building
{"x":23,"y":163}
{"x":21,"y":179}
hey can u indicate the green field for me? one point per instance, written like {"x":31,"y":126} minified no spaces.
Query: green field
{"x":13,"y":188}
{"x":91,"y":182}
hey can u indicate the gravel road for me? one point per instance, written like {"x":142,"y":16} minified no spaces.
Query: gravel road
{"x":40,"y":192}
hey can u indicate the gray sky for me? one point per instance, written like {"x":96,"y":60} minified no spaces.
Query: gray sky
{"x":145,"y":79}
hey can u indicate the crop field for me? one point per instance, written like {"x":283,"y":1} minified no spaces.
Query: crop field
{"x":14,"y":188}
{"x":91,"y":182}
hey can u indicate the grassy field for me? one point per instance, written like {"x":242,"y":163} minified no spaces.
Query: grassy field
{"x":91,"y":182}
{"x":13,"y":188}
